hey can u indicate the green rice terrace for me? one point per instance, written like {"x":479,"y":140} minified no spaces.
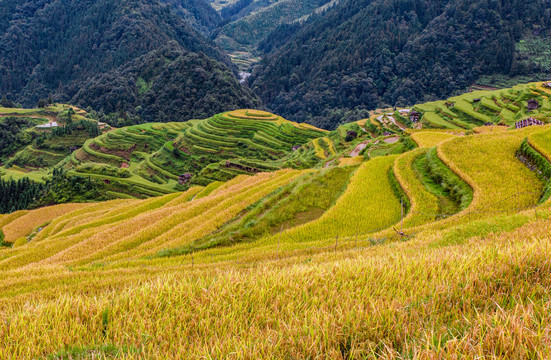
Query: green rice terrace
{"x":32,"y":141}
{"x":154,"y":159}
{"x":498,"y":107}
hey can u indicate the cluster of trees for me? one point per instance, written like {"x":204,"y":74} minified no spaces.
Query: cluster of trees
{"x":168,"y":84}
{"x":262,"y":17}
{"x":71,"y":127}
{"x":364,"y":54}
{"x":62,"y":188}
{"x":11,"y":134}
{"x":5,"y":102}
{"x":229,"y":11}
{"x":18,"y":195}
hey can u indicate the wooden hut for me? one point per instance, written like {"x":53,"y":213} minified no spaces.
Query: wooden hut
{"x":351,"y":135}
{"x":477,"y":100}
{"x":414,"y":116}
{"x":184,"y":178}
{"x":527,"y":122}
{"x":533,"y":104}
{"x":296,"y":147}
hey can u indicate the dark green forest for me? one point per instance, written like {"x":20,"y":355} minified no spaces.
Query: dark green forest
{"x":61,"y":48}
{"x":155,"y":60}
{"x":169,"y":84}
{"x":365,"y":54}
{"x":25,"y":194}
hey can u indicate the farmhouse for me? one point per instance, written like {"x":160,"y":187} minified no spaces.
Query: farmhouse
{"x":184,"y":178}
{"x":533,"y":104}
{"x":547,"y":84}
{"x":296,"y":147}
{"x":527,"y":122}
{"x":477,"y":100}
{"x":51,"y":124}
{"x":351,"y":135}
{"x":414,"y":116}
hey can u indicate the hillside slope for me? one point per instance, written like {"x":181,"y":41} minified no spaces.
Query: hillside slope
{"x":62,"y":48}
{"x":434,"y":251}
{"x":366,"y":54}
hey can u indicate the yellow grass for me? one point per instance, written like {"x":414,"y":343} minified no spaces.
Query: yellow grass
{"x":351,"y":161}
{"x":367,"y":205}
{"x":486,"y":298}
{"x":320,"y":152}
{"x":424,"y":205}
{"x":23,"y":225}
{"x":541,"y":141}
{"x":487,"y":162}
{"x":428,"y":139}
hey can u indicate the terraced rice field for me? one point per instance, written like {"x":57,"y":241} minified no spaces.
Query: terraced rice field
{"x":100,"y":280}
{"x":487,"y":162}
{"x":505,"y":106}
{"x":430,"y":139}
{"x":215,"y":149}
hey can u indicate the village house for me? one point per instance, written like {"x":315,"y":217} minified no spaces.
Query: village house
{"x":184,"y":178}
{"x":528,"y":122}
{"x":414,"y":116}
{"x":533,"y":104}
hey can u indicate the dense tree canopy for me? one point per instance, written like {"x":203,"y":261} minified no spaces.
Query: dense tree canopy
{"x":60,"y":47}
{"x":368,"y":53}
{"x":169,"y":84}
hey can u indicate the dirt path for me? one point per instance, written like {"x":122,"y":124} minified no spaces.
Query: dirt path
{"x":358,"y":149}
{"x":392,"y":120}
{"x":391,"y":140}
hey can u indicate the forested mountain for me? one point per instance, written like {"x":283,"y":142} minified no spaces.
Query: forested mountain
{"x":198,"y":12}
{"x":246,"y":23}
{"x":59,"y":47}
{"x":166,"y":85}
{"x":368,"y":53}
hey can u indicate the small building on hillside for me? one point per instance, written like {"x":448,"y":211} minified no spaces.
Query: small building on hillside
{"x":386,"y":133}
{"x":296,"y":147}
{"x":450,"y":104}
{"x":51,"y":124}
{"x":477,"y":100}
{"x":488,"y":123}
{"x":528,"y":122}
{"x":414,"y":116}
{"x":351,"y":135}
{"x":184,"y":178}
{"x":533,"y":104}
{"x":547,"y":84}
